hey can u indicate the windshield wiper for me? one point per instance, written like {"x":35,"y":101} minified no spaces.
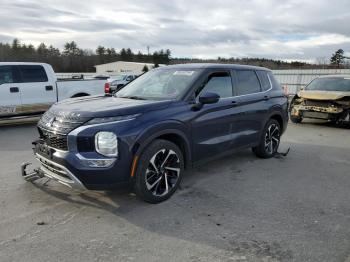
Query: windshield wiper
{"x":133,"y":97}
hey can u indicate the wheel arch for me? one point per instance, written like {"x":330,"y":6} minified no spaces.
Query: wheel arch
{"x":80,"y":94}
{"x":176,"y":136}
{"x":279,"y":119}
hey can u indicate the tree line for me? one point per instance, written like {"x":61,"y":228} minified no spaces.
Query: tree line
{"x":75,"y":59}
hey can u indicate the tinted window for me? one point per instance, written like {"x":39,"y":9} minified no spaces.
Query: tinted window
{"x":6,"y":75}
{"x":247,"y":82}
{"x":33,"y":73}
{"x":274,"y":82}
{"x":264,"y":80}
{"x":219,"y":83}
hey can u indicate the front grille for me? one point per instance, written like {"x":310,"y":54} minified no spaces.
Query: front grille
{"x":53,"y":140}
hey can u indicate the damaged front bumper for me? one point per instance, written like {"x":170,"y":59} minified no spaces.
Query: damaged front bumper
{"x":51,"y":170}
{"x":333,"y":113}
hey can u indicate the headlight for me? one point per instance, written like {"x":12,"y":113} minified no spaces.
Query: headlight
{"x":106,"y":143}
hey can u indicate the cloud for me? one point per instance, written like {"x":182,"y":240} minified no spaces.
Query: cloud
{"x":290,"y":29}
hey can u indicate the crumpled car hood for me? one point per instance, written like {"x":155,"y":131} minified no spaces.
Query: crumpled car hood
{"x":322,"y":95}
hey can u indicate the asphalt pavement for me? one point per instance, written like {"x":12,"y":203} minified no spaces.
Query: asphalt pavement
{"x":238,"y":208}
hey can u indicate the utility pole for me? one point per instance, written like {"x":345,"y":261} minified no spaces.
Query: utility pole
{"x":148,"y":50}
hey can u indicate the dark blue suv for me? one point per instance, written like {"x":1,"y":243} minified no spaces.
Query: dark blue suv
{"x":165,"y":121}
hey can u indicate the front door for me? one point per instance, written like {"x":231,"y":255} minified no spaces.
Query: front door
{"x":10,"y":98}
{"x":213,"y":124}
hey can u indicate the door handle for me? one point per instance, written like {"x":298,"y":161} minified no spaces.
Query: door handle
{"x":14,"y":89}
{"x":48,"y":88}
{"x":234,"y":103}
{"x":266,"y":98}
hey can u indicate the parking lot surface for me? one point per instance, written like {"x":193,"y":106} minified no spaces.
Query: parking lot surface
{"x":238,"y":208}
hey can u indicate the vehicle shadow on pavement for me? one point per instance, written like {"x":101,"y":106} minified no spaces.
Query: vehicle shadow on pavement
{"x":209,"y":209}
{"x":323,"y":123}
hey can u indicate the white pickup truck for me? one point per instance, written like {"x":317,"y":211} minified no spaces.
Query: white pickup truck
{"x":31,"y":88}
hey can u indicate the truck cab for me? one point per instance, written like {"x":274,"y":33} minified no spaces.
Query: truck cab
{"x":26,"y":88}
{"x":31,"y":88}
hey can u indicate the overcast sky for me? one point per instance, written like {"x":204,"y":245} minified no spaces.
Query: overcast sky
{"x":289,"y":29}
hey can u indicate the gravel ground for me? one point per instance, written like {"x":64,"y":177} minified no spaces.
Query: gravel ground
{"x":238,"y":208}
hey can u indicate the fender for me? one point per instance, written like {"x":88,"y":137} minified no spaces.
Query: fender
{"x":171,"y":127}
{"x":277,"y":110}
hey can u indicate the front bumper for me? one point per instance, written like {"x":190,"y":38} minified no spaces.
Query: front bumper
{"x":298,"y":109}
{"x":71,"y":169}
{"x":59,"y":173}
{"x":317,"y":112}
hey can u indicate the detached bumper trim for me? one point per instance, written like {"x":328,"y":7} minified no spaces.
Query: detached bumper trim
{"x":59,"y":173}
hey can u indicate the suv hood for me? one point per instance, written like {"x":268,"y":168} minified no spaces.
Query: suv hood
{"x":105,"y":106}
{"x":322,"y":95}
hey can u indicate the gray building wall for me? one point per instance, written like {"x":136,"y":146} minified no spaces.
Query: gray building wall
{"x":293,"y":80}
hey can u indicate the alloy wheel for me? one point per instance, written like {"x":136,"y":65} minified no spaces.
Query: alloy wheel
{"x":163,"y":172}
{"x":272,"y":139}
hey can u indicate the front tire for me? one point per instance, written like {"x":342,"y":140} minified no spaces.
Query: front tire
{"x":293,"y":118}
{"x":296,"y":119}
{"x":159,"y":171}
{"x":269,"y":141}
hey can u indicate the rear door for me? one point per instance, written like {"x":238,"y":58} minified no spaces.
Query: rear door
{"x":37,"y":91}
{"x":10,"y":99}
{"x":252,"y":96}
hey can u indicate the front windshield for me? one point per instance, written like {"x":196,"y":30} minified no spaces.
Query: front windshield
{"x":160,"y":84}
{"x":330,"y":84}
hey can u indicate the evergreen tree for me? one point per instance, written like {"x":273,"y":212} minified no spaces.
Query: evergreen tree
{"x":338,"y":58}
{"x":145,"y":69}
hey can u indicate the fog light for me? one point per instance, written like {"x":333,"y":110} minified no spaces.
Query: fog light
{"x":98,"y":163}
{"x":95,"y":162}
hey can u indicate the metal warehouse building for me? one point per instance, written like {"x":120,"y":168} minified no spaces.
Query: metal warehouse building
{"x":121,"y":67}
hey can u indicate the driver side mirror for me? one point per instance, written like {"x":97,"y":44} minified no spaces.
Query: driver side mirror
{"x":209,"y":98}
{"x":206,"y":98}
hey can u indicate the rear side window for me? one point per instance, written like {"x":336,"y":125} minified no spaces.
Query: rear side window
{"x":219,"y":83}
{"x":33,"y":73}
{"x":274,"y":81}
{"x":247,"y":82}
{"x":264,"y":80}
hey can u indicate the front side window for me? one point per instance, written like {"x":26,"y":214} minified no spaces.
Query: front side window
{"x":330,"y":84}
{"x":247,"y":82}
{"x":219,"y":83}
{"x":33,"y":73}
{"x":6,"y":75}
{"x":160,"y":84}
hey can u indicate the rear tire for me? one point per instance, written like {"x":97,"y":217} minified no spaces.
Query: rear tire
{"x":159,"y":171}
{"x":269,"y":140}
